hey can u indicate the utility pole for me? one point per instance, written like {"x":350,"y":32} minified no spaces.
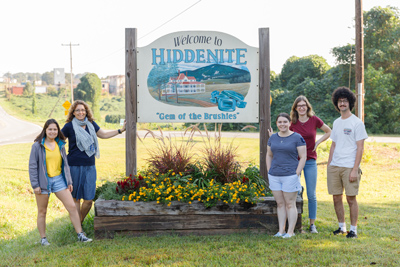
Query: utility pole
{"x":359,"y":60}
{"x":72,"y":81}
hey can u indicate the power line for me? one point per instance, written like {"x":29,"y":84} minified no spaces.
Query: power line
{"x":170,"y":19}
{"x":72,"y":80}
{"x":145,"y":34}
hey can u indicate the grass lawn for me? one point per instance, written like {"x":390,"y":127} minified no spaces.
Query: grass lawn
{"x":378,"y":227}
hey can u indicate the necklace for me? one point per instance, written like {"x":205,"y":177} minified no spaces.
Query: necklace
{"x":303,"y":122}
{"x":281,"y":138}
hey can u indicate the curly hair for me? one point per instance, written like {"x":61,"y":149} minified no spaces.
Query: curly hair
{"x":42,"y":134}
{"x":70,"y":116}
{"x":343,"y":92}
{"x":294,"y":115}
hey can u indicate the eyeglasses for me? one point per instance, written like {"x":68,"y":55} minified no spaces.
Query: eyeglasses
{"x":343,"y":101}
{"x":301,"y":106}
{"x":80,"y":110}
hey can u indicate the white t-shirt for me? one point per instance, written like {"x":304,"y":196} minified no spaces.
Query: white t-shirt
{"x":345,"y":134}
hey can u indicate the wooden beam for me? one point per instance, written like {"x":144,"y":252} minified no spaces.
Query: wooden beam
{"x":131,"y":99}
{"x":264,"y":97}
{"x":359,"y":57}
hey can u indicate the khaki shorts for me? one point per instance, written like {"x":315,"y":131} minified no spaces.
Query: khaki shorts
{"x":338,"y":179}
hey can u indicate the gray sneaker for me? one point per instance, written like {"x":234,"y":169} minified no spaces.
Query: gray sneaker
{"x":313,"y":229}
{"x":44,"y":242}
{"x":82,"y":238}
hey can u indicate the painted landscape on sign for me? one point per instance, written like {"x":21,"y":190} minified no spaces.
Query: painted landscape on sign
{"x":215,"y":85}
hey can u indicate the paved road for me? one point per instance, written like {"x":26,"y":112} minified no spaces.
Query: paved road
{"x":377,"y":139}
{"x":13,"y":130}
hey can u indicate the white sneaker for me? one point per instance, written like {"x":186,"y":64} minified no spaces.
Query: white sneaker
{"x":288,"y":235}
{"x":279,"y":234}
{"x":44,"y":242}
{"x":313,"y":229}
{"x":82,"y":238}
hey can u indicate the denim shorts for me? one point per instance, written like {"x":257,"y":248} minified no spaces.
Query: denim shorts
{"x":84,"y":182}
{"x":289,"y":184}
{"x":56,"y":184}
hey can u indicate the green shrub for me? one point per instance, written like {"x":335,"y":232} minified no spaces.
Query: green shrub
{"x":114,"y":118}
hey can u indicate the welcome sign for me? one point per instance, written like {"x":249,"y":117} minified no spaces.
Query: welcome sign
{"x":197,"y":76}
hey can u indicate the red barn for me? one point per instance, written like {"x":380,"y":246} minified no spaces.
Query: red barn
{"x":17,"y":90}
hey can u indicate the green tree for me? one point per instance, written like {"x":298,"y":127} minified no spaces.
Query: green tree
{"x":89,"y":90}
{"x":296,"y":70}
{"x":344,"y":54}
{"x":48,"y":77}
{"x":34,"y":108}
{"x":160,"y":75}
{"x":382,"y":40}
{"x":381,"y":104}
{"x":28,"y":89}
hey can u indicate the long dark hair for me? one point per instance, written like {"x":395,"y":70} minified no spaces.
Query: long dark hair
{"x":43,"y":132}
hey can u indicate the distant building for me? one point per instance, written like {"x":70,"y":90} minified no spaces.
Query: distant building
{"x":117,"y":84}
{"x":40,"y":89}
{"x":184,"y":85}
{"x":17,"y":90}
{"x":105,"y":86}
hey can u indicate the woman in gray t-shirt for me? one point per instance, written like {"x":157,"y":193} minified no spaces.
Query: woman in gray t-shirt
{"x":286,"y":156}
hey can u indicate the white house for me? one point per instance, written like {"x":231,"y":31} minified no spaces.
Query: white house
{"x":184,"y":85}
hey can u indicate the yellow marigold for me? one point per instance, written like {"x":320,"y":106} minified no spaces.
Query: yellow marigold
{"x":169,"y":204}
{"x":190,"y":202}
{"x":173,"y":173}
{"x":123,"y":198}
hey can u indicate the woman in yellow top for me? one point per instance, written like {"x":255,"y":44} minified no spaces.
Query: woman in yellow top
{"x":49,"y":173}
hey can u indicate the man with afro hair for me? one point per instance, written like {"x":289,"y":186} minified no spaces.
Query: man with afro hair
{"x":343,"y":171}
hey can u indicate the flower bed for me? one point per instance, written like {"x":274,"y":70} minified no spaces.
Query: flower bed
{"x":153,"y":203}
{"x":170,"y":186}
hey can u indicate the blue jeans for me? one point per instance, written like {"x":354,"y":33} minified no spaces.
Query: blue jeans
{"x":310,"y":175}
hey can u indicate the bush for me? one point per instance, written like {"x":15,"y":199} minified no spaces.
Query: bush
{"x":169,"y":155}
{"x":114,"y":118}
{"x":220,"y":161}
{"x":51,"y":90}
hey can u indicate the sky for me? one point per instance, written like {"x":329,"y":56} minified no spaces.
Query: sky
{"x":32,"y":32}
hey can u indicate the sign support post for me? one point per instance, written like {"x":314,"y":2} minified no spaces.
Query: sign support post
{"x":264,"y":98}
{"x":131,"y":99}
